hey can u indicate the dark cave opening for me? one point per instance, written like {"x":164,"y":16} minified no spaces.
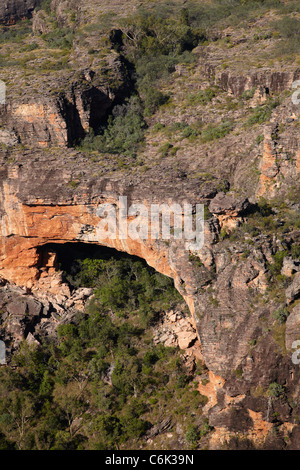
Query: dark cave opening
{"x":67,"y":253}
{"x":121,"y":281}
{"x":66,"y":257}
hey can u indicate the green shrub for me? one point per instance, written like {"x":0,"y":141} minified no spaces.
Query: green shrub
{"x":29,"y":47}
{"x":216,"y":131}
{"x":153,"y":99}
{"x":195,"y":260}
{"x":207,"y":214}
{"x":276,"y":390}
{"x":158,"y":127}
{"x":239,"y":373}
{"x":288,"y":27}
{"x":262,"y":113}
{"x":60,"y":38}
{"x":259,"y":139}
{"x":295,"y":251}
{"x":15,"y":33}
{"x":192,"y":435}
{"x":281,"y":315}
{"x":189,"y":133}
{"x":248,"y":94}
{"x":165,"y":148}
{"x":276,"y":266}
{"x":203,"y":97}
{"x":44,"y":5}
{"x":223,"y":234}
{"x":205,"y":428}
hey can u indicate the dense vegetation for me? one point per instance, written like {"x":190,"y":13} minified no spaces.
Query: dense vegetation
{"x":102,"y":383}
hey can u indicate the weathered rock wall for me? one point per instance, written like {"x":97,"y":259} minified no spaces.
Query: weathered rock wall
{"x":266,"y":81}
{"x":14,"y":10}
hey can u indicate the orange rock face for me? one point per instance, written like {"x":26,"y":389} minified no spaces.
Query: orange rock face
{"x":38,"y":209}
{"x":211,"y":388}
{"x":25,"y":228}
{"x":269,"y":169}
{"x":280,"y":160}
{"x":43,"y":117}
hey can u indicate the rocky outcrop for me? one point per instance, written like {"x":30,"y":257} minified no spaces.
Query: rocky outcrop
{"x":40,"y":23}
{"x":37,"y":212}
{"x":51,"y":198}
{"x":31,"y":316}
{"x":63,"y":9}
{"x":8,"y":138}
{"x":265,"y":81}
{"x":228,"y":208}
{"x":14,"y":10}
{"x":177,"y":330}
{"x":292,"y":333}
{"x":293,"y":291}
{"x":290,"y":266}
{"x":20,"y":313}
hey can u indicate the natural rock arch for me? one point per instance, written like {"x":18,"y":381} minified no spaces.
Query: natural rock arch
{"x":41,"y":208}
{"x":28,"y":227}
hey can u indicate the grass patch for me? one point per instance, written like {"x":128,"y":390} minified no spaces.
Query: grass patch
{"x":216,"y":131}
{"x":262,"y":113}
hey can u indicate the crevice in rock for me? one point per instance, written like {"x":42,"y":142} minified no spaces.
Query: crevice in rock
{"x":75,"y":130}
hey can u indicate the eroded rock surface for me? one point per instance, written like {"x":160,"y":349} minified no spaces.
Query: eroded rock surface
{"x":13,"y":10}
{"x":221,"y":287}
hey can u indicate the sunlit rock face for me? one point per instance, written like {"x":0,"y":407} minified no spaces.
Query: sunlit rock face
{"x":56,"y":207}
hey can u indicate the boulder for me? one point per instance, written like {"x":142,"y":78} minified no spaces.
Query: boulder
{"x":228,"y":208}
{"x":31,"y":340}
{"x":293,"y":291}
{"x":229,"y":204}
{"x":8,"y":138}
{"x":21,"y":306}
{"x":290,"y":266}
